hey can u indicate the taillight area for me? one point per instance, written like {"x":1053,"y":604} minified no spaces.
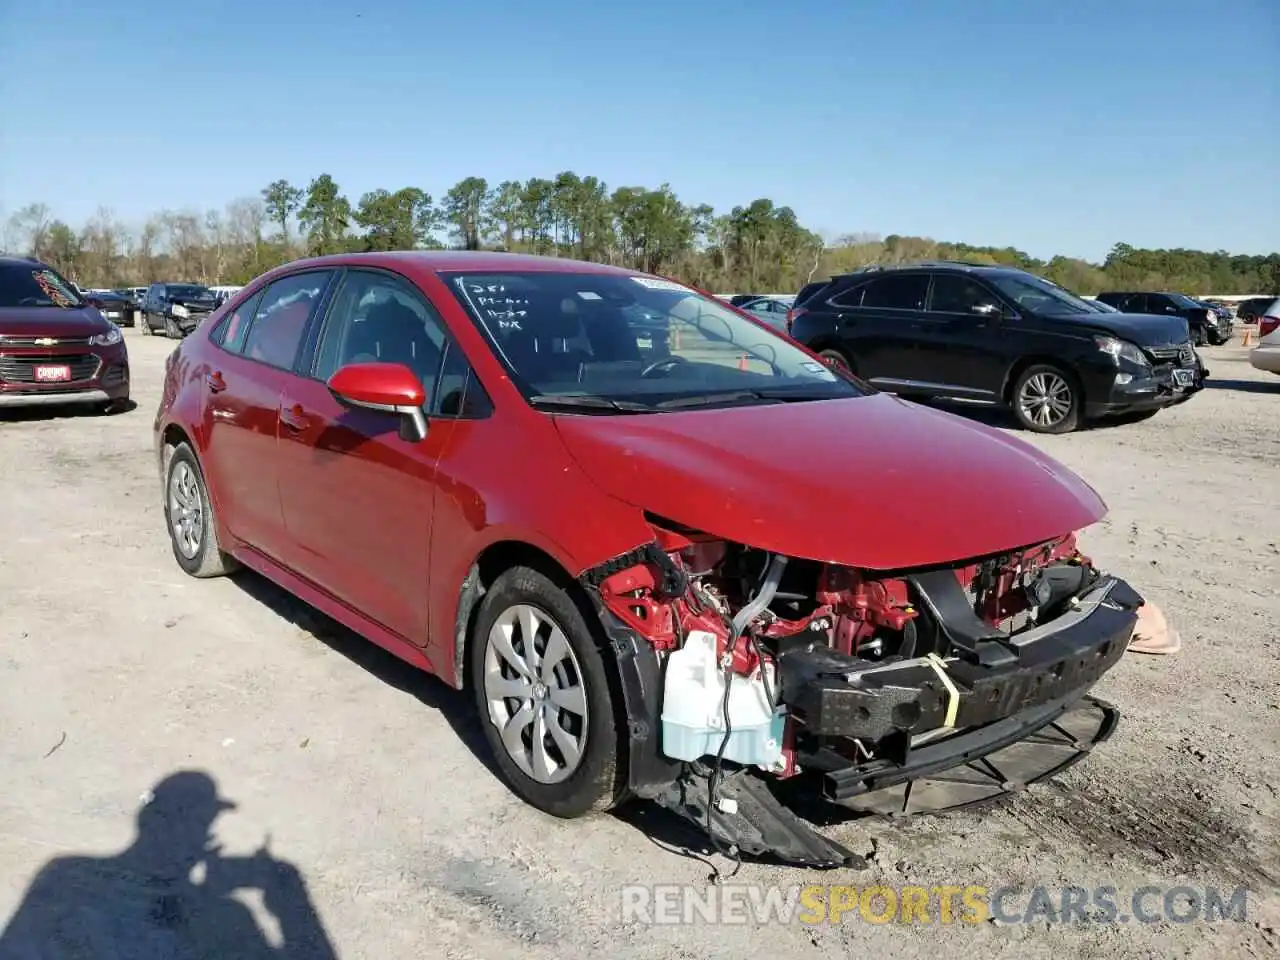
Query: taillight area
{"x":1268,"y":325}
{"x":792,"y":314}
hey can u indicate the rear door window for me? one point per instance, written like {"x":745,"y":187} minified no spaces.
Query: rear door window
{"x":901,"y":292}
{"x":281,"y":318}
{"x":953,"y":293}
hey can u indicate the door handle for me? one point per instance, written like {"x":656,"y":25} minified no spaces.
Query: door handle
{"x":214,"y":382}
{"x":295,"y":418}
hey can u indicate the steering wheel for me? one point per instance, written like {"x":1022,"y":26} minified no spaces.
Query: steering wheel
{"x":664,"y":364}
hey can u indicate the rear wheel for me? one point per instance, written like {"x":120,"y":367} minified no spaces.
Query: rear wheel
{"x":1047,"y":400}
{"x":188,"y":514}
{"x":542,"y":688}
{"x":837,"y":358}
{"x":144,"y":324}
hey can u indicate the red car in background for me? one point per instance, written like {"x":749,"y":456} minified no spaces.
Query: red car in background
{"x":671,"y":567}
{"x":55,"y":347}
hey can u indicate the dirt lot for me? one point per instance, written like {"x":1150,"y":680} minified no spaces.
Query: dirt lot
{"x":116,"y":670}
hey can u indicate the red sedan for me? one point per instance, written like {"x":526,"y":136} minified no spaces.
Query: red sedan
{"x":672,"y":553}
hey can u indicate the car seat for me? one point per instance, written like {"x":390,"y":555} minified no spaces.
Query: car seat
{"x":393,"y":333}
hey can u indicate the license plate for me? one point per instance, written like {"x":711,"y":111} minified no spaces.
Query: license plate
{"x":1183,"y":378}
{"x":113,"y":315}
{"x":53,"y":374}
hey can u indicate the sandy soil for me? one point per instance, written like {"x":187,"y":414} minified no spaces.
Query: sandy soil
{"x":117,"y":670}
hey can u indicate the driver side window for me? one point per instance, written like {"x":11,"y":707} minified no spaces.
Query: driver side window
{"x":381,"y":318}
{"x":956,"y":294}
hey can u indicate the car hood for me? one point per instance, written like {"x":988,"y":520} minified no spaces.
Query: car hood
{"x":51,"y":322}
{"x":1144,"y":329}
{"x":873,"y":482}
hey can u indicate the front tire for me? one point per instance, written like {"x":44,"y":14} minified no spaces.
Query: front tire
{"x":171,"y":329}
{"x":543,"y":691}
{"x":1047,"y":399}
{"x":188,"y":514}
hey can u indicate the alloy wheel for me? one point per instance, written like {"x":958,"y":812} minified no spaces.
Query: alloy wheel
{"x":1045,"y":399}
{"x":534,"y":690}
{"x":186,"y":510}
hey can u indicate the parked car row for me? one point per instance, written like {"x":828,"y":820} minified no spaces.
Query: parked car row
{"x":998,"y":336}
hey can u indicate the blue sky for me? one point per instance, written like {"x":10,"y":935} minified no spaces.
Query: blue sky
{"x":1054,"y":127}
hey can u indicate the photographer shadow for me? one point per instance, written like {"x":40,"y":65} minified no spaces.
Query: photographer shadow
{"x":168,"y":895}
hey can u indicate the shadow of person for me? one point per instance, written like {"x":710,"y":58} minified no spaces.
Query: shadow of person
{"x":168,"y":895}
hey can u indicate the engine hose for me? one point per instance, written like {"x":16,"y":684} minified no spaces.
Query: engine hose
{"x":763,"y":597}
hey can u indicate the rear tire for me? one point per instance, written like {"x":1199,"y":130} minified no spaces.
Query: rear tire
{"x":837,"y":357}
{"x":1047,"y":399}
{"x":144,"y":324}
{"x":551,"y":723}
{"x":188,"y":515}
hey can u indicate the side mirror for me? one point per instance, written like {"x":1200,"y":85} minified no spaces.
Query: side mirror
{"x":387,"y":387}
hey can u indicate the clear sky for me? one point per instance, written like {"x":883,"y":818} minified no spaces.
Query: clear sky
{"x":1055,"y":127}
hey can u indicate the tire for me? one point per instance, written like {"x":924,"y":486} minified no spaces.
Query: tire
{"x":837,"y":357}
{"x":144,"y":324}
{"x":198,"y":552}
{"x":522,"y":597}
{"x":1054,"y":387}
{"x":171,"y":329}
{"x":112,"y":407}
{"x":1198,"y":338}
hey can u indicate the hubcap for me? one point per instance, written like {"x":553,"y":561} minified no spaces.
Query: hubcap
{"x":186,"y":510}
{"x":1045,"y":399}
{"x":535,"y":693}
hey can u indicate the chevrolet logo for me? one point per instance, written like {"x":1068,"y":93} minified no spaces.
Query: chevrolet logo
{"x":45,"y":341}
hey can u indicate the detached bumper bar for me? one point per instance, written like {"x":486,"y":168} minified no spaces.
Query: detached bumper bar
{"x":839,"y":696}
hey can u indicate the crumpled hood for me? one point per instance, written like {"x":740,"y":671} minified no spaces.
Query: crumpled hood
{"x":873,"y":482}
{"x":51,"y":322}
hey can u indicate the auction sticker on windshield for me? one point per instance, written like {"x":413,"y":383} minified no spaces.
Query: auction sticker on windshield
{"x":653,"y":283}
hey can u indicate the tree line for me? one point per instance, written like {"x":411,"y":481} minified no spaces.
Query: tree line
{"x":757,"y":247}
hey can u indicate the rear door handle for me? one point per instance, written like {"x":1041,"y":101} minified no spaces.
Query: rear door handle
{"x":295,"y":418}
{"x":214,"y":382}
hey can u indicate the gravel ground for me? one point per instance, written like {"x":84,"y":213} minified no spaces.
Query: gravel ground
{"x":116,"y":670}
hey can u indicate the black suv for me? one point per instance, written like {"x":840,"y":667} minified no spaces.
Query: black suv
{"x":176,"y":308}
{"x":1207,"y":325}
{"x":994,"y":336}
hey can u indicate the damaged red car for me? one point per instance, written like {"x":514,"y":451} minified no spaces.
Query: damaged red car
{"x":672,"y":554}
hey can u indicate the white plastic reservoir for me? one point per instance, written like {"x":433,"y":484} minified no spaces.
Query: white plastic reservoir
{"x":693,"y":708}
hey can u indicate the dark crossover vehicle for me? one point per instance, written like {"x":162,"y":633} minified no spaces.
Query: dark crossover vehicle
{"x":1251,"y":310}
{"x":115,"y":306}
{"x":555,"y":484}
{"x":55,"y":347}
{"x":176,"y":308}
{"x":988,"y":335}
{"x":1207,"y":324}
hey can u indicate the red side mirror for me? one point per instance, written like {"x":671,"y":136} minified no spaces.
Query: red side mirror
{"x":389,"y":387}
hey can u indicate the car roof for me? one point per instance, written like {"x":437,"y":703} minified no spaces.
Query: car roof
{"x":464,"y":260}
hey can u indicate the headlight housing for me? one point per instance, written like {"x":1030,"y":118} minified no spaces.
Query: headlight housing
{"x":178,"y":310}
{"x":1122,"y":350}
{"x":108,"y":339}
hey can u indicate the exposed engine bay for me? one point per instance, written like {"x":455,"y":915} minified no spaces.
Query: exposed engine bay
{"x":859,"y":683}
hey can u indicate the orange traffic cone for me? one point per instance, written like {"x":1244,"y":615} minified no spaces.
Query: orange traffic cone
{"x":1248,"y":338}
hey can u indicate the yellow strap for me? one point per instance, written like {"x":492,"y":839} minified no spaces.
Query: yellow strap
{"x":953,"y":695}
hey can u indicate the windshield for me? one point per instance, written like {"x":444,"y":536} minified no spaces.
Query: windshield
{"x":1038,"y":296}
{"x":189,"y":291}
{"x":34,"y":285}
{"x":637,"y":343}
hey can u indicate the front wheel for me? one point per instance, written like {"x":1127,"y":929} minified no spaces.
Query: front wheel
{"x":545,"y":701}
{"x":1047,"y":400}
{"x":171,"y":329}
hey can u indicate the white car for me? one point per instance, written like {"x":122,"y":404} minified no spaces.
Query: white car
{"x":1266,"y":355}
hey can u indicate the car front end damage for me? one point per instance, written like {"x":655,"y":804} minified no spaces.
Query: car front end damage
{"x":749,"y":676}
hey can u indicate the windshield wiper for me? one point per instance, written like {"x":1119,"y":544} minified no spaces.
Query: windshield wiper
{"x":772,"y":394}
{"x":549,"y":402}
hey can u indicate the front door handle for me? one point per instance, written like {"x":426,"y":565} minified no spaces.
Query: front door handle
{"x":214,"y":382}
{"x":295,"y":418}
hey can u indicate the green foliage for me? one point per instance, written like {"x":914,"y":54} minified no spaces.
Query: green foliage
{"x":758,"y":247}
